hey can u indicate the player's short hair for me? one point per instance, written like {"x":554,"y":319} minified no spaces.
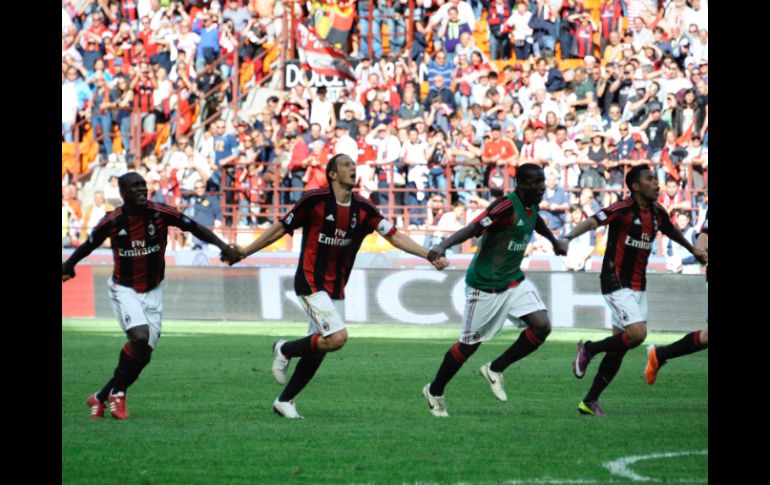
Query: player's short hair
{"x":331,"y":166}
{"x":633,"y":175}
{"x":526,"y":171}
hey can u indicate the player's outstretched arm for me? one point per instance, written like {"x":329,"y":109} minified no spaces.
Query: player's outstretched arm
{"x":582,"y":227}
{"x":702,"y":242}
{"x":230,"y":255}
{"x":458,"y":237}
{"x":271,"y":235}
{"x":68,"y":267}
{"x":559,"y":246}
{"x":676,"y":235}
{"x":406,"y":243}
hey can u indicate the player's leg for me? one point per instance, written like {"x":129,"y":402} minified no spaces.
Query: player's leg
{"x":527,"y":305}
{"x":629,"y":308}
{"x":483,"y":317}
{"x":326,"y":333}
{"x":139,"y":316}
{"x":629,"y":331}
{"x":658,"y":355}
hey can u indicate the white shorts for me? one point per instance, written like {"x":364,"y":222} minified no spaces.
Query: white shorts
{"x":324,"y":313}
{"x":134,"y":309}
{"x":628,"y":307}
{"x":486,"y":313}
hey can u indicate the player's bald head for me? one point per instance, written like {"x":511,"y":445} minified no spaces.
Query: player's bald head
{"x":127,"y":178}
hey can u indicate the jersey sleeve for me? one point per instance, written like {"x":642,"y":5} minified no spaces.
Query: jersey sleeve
{"x":375,"y":221}
{"x":102,"y":230}
{"x":299,"y":214}
{"x":175,"y":218}
{"x":496,"y":217}
{"x":664,"y":219}
{"x":609,"y":214}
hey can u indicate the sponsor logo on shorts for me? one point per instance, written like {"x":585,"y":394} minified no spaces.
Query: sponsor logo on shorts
{"x":127,"y":319}
{"x":623,"y":316}
{"x":325,"y":326}
{"x":476,"y":336}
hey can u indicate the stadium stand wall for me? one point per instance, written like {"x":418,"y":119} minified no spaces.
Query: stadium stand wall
{"x":414,"y":296}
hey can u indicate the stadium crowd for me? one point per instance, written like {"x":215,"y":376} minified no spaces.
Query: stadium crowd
{"x":586,"y":89}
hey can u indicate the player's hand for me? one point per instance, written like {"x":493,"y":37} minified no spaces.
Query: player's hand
{"x":434,"y":253}
{"x":67,"y":272}
{"x":561,"y":247}
{"x":231,"y":255}
{"x":440,"y":263}
{"x":701,"y":255}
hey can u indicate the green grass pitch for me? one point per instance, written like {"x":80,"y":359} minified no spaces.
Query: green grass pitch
{"x":201,"y":413}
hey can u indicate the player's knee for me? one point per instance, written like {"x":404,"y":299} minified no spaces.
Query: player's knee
{"x":141,"y":332}
{"x":704,"y":337}
{"x":337,"y":340}
{"x":543,"y":329}
{"x":468,"y":349}
{"x":635,"y":335}
{"x":142,"y":349}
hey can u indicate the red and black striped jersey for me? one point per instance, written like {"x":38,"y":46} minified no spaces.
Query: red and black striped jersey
{"x":139,"y":243}
{"x":632,"y":231}
{"x":332,"y":234}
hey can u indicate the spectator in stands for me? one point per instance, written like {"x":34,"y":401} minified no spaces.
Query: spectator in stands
{"x":676,"y":254}
{"x":553,"y":207}
{"x":101,"y":115}
{"x":544,"y":28}
{"x":585,"y":27}
{"x":673,"y":198}
{"x":206,"y":211}
{"x":440,"y":64}
{"x":581,"y":247}
{"x":570,"y":12}
{"x":321,"y":109}
{"x":315,"y":174}
{"x":414,"y":153}
{"x":587,"y":202}
{"x":239,"y":15}
{"x":207,"y":26}
{"x":112,"y":192}
{"x":654,"y":128}
{"x":498,"y":13}
{"x":450,"y":222}
{"x":93,"y":213}
{"x":440,"y":89}
{"x":450,"y":32}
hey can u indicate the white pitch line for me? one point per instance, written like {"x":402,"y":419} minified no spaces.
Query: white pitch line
{"x":551,"y":481}
{"x":621,"y":466}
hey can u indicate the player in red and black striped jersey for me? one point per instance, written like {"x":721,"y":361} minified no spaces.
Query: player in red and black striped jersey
{"x":633,"y":224}
{"x":334,"y":222}
{"x":138,"y":231}
{"x":690,"y":343}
